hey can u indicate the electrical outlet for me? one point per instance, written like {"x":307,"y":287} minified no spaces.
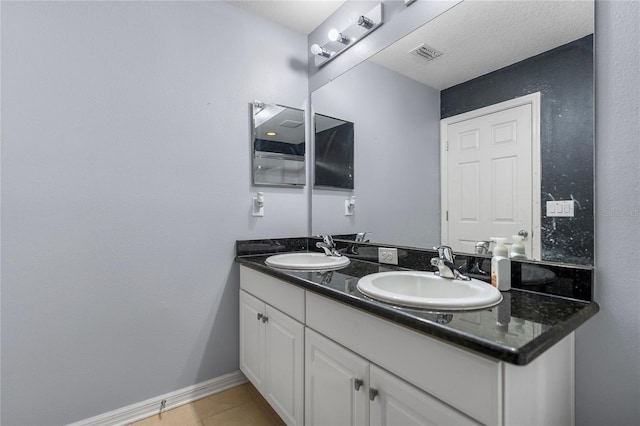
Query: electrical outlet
{"x":388,"y":255}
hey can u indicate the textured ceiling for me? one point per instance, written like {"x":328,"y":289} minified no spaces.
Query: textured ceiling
{"x":478,"y":37}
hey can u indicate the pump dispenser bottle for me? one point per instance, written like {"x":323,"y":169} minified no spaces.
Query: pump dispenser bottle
{"x":500,"y":266}
{"x":517,"y":248}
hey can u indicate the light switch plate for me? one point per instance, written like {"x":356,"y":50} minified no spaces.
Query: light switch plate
{"x":560,"y":208}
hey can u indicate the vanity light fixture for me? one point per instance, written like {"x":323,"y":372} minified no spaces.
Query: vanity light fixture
{"x":339,"y":41}
{"x":271,"y":133}
{"x":318,"y":50}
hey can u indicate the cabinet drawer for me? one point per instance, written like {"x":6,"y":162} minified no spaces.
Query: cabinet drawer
{"x":466,"y":381}
{"x":285,"y":297}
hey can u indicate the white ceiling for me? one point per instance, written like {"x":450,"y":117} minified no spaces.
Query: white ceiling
{"x":302,"y":16}
{"x":476,"y":36}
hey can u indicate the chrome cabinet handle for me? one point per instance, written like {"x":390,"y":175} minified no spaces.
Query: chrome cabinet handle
{"x":357,"y":383}
{"x":259,"y":317}
{"x":523,"y":233}
{"x":265,"y":318}
{"x":373,"y":392}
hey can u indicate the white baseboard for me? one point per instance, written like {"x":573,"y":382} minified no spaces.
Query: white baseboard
{"x":151,"y":406}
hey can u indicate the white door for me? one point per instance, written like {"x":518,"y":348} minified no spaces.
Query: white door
{"x":252,"y":361}
{"x":490,"y":189}
{"x":284,"y":353}
{"x":336,"y":384}
{"x":398,"y":403}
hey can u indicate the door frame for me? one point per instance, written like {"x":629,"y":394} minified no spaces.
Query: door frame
{"x":536,"y":212}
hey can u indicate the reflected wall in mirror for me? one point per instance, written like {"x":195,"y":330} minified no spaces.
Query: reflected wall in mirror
{"x":278,"y":145}
{"x":492,"y":52}
{"x":333,"y":152}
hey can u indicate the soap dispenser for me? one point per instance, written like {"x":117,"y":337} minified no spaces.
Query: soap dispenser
{"x":500,"y":266}
{"x":517,"y":248}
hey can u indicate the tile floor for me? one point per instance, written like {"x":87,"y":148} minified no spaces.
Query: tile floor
{"x":238,"y":406}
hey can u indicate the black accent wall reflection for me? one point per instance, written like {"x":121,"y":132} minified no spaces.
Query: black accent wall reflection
{"x":564,"y":76}
{"x":334,"y":151}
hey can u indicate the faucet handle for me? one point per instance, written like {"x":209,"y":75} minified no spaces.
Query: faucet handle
{"x":360,"y":237}
{"x":445,"y":253}
{"x":327,"y":239}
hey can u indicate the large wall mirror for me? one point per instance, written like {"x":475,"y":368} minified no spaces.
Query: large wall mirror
{"x":277,"y":144}
{"x":473,"y":56}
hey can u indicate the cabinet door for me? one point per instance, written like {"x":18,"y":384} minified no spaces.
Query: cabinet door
{"x":284,"y":354}
{"x":336,"y":383}
{"x":398,"y":403}
{"x":252,"y":339}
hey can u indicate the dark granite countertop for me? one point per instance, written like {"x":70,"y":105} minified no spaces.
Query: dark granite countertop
{"x":519,"y":329}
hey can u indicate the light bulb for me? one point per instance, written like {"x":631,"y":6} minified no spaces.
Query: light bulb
{"x":335,"y":35}
{"x":316,"y":49}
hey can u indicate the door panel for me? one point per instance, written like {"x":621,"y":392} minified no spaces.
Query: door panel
{"x":331,"y":397}
{"x":489,"y":177}
{"x":284,"y":366}
{"x":399,"y":403}
{"x":252,"y":362}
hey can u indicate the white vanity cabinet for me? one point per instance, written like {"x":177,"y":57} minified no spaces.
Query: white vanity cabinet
{"x":361,"y":369}
{"x":272,"y":343}
{"x":342,"y":388}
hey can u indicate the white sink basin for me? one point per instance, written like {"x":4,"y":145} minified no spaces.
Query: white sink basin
{"x":427,"y":290}
{"x":307,"y":261}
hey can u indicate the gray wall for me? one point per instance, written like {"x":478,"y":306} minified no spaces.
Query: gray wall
{"x":396,"y":122}
{"x":125,"y":182}
{"x":608,"y":346}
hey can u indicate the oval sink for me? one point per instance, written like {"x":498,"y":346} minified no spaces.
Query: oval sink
{"x":427,"y":290}
{"x":307,"y":261}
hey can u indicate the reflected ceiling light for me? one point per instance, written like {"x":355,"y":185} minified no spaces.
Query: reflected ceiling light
{"x":271,"y":133}
{"x":335,"y":35}
{"x":316,"y":49}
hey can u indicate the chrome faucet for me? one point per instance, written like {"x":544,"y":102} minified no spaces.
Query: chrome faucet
{"x":445,"y":264}
{"x":482,"y":247}
{"x":360,"y":237}
{"x":473,"y":264}
{"x":328,"y":246}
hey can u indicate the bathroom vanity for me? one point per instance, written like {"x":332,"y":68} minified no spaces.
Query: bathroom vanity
{"x":321,"y":352}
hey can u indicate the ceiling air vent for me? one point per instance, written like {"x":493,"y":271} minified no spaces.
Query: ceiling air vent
{"x":425,"y":52}
{"x":291,"y":123}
